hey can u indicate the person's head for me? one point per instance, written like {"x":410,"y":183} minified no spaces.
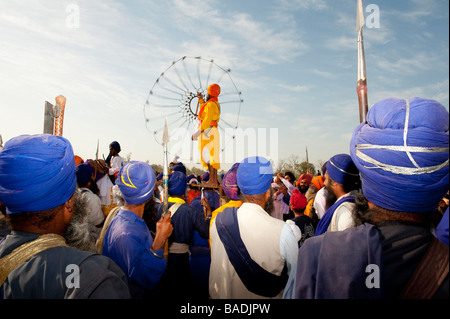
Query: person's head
{"x":114,"y":148}
{"x":402,"y":154}
{"x":78,"y":160}
{"x":342,"y":175}
{"x":304,"y":182}
{"x":289,"y":176}
{"x":254,"y":179}
{"x":84,"y":175}
{"x":179,"y":167}
{"x":318,"y":182}
{"x":177,"y":184}
{"x":213,"y":91}
{"x":229,"y":183}
{"x":136,"y":181}
{"x":298,"y":202}
{"x":37,"y":182}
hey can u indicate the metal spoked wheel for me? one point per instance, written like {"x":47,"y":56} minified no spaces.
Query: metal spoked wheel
{"x":174,"y":96}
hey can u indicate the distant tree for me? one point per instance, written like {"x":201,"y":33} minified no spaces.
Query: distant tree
{"x":128,"y":158}
{"x":195,"y":171}
{"x":157,"y":168}
{"x":294,"y":165}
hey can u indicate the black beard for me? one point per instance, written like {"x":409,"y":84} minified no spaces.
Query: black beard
{"x":303,"y":189}
{"x":330,"y":198}
{"x":79,"y":233}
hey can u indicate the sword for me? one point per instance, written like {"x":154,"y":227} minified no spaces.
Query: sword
{"x":361,"y":86}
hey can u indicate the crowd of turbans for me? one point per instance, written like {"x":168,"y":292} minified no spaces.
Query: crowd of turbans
{"x":259,"y":234}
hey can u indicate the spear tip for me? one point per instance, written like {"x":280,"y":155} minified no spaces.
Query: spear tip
{"x":166,"y":133}
{"x":360,"y":21}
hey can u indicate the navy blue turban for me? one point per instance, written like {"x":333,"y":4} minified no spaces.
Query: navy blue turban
{"x":37,"y":172}
{"x":177,"y":183}
{"x":136,"y":181}
{"x":342,"y":169}
{"x":179,"y":168}
{"x":115,"y":145}
{"x":402,"y":154}
{"x":254,"y":175}
{"x":84,"y":173}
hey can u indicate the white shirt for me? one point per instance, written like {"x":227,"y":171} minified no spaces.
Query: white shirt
{"x":116,"y":164}
{"x":270,"y":243}
{"x":320,"y":202}
{"x":105,"y":187}
{"x":288,"y":185}
{"x":342,"y":217}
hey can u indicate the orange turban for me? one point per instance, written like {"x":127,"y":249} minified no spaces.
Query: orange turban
{"x":214,"y":90}
{"x":318,"y":181}
{"x":78,"y":160}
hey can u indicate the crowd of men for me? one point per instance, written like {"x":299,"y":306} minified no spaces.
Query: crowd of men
{"x":373,"y":225}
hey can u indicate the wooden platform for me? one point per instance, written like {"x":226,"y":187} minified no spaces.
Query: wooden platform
{"x":200,"y":186}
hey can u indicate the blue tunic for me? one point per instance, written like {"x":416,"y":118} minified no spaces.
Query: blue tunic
{"x":128,"y":242}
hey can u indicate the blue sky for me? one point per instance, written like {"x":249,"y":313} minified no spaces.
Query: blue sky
{"x":294,"y":61}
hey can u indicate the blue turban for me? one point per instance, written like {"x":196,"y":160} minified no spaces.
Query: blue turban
{"x":341,"y":168}
{"x":136,"y":181}
{"x":84,"y":173}
{"x":37,"y":172}
{"x":402,"y":154}
{"x":177,"y":183}
{"x":179,"y":168}
{"x":254,"y":175}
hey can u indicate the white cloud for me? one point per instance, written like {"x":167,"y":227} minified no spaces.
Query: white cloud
{"x":296,"y":88}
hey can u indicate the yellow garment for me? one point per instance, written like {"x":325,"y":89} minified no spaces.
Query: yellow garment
{"x":231,"y":203}
{"x":176,"y":200}
{"x":211,"y":112}
{"x":209,"y":140}
{"x":309,"y":207}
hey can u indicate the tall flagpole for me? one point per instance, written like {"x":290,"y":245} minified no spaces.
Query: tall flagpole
{"x":361,"y":86}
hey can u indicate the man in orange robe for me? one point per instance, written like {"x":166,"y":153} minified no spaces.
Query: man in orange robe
{"x":209,"y":139}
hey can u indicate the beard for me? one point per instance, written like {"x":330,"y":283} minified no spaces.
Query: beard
{"x":330,"y":199}
{"x":303,"y":189}
{"x":79,"y":233}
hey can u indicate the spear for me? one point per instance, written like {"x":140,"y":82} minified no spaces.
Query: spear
{"x":165,"y":170}
{"x":307,"y":161}
{"x":361,"y":86}
{"x":96,"y":153}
